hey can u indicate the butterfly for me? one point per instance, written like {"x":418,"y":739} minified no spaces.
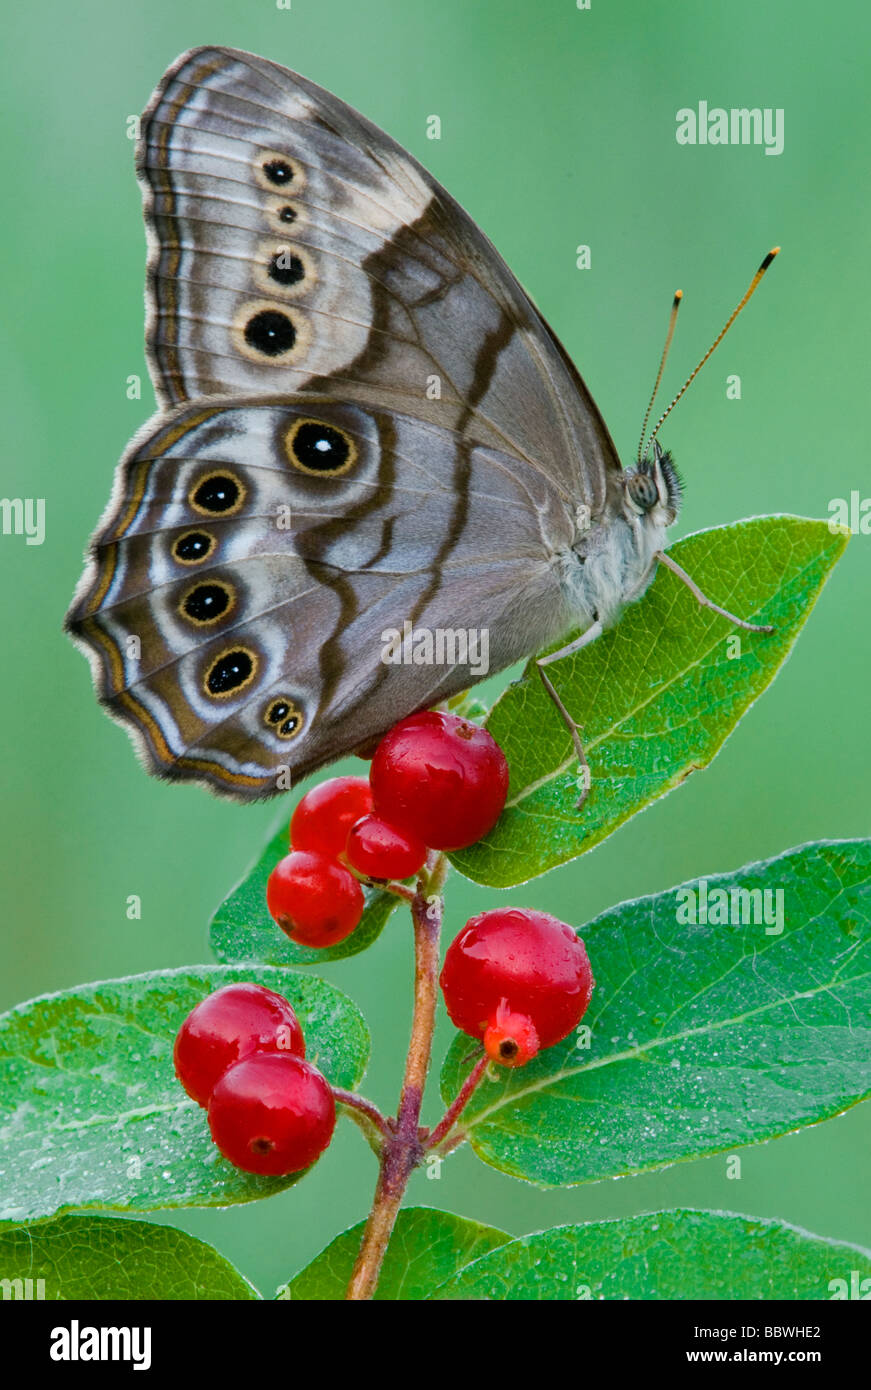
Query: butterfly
{"x":364,"y":424}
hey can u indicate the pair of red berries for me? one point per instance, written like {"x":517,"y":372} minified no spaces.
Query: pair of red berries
{"x":518,"y":980}
{"x":241,"y":1055}
{"x":440,"y":778}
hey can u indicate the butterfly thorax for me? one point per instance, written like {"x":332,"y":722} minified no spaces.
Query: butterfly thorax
{"x":612,"y":561}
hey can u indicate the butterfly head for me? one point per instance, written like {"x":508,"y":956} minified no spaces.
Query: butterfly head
{"x":653,"y":489}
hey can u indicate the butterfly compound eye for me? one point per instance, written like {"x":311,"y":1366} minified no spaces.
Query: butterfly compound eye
{"x":641,"y":490}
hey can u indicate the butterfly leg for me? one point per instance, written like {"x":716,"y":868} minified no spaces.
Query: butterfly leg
{"x":704,"y":600}
{"x":592,"y":632}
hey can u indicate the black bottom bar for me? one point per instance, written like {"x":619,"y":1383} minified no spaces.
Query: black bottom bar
{"x":62,"y":1339}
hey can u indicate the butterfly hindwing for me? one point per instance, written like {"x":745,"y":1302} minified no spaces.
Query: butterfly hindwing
{"x":257,"y":552}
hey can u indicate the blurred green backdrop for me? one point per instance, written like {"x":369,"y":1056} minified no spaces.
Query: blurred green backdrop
{"x":558,"y":128}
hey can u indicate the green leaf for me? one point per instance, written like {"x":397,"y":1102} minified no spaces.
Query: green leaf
{"x":104,"y":1257}
{"x":91,"y":1115}
{"x":242,"y":929}
{"x":427,"y":1247}
{"x":665,"y":1255}
{"x":704,"y":1036}
{"x":656,"y":696}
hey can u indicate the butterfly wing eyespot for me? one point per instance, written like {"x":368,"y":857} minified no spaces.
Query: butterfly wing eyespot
{"x":284,"y":268}
{"x":319,"y":449}
{"x":207,"y":603}
{"x":217,"y":493}
{"x":193,"y":547}
{"x":284,"y":212}
{"x":284,"y":717}
{"x":276,"y":170}
{"x":231,"y":672}
{"x":268,"y":333}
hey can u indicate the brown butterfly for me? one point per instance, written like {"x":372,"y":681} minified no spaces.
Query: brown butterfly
{"x":364,"y":423}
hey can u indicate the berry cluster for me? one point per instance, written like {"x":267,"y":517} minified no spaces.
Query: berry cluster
{"x":436,"y":782}
{"x":241,"y":1055}
{"x":519,"y":980}
{"x":515,"y":979}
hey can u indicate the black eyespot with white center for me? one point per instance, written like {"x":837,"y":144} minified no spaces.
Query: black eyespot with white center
{"x":287,"y":214}
{"x":193,"y":547}
{"x":275,"y":170}
{"x":207,"y":603}
{"x":230,"y":672}
{"x":284,"y":717}
{"x":286,"y":267}
{"x":279,"y":172}
{"x":319,"y":449}
{"x":270,"y":332}
{"x":217,"y":494}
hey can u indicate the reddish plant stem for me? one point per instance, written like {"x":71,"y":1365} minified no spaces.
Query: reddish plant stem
{"x":399,"y":890}
{"x":366,"y":1114}
{"x":402,"y":1150}
{"x":458,"y":1105}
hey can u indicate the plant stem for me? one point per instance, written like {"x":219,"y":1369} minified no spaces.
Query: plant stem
{"x":458,"y":1105}
{"x":402,"y":1150}
{"x":366,"y":1115}
{"x":399,"y":890}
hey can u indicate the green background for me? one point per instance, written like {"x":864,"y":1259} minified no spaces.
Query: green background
{"x":557,"y":129}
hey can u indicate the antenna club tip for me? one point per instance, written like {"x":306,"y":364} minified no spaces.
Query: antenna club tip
{"x":775,"y":251}
{"x":678,"y":295}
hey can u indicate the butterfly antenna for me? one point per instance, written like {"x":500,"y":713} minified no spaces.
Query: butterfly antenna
{"x":672,"y":320}
{"x":752,"y":287}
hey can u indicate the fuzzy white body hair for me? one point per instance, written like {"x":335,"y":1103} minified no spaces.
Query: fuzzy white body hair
{"x":614,"y":565}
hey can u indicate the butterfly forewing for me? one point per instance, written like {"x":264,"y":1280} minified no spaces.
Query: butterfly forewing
{"x":379,"y":280}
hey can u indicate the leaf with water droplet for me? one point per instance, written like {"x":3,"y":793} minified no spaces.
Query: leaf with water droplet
{"x":134,"y":1141}
{"x":656,"y":697}
{"x":102,"y":1257}
{"x":664,"y":1255}
{"x":426,"y":1248}
{"x":770,"y":1029}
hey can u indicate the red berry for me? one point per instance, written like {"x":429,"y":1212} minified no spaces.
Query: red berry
{"x":528,"y":962}
{"x":378,"y":850}
{"x":323,"y":818}
{"x":511,"y":1038}
{"x":441,"y":778}
{"x":230,"y":1024}
{"x":272,"y":1114}
{"x":314,"y":899}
